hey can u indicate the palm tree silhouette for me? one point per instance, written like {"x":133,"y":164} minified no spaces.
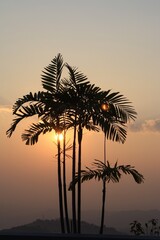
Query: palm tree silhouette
{"x":87,"y":101}
{"x":58,"y":108}
{"x":77,"y":86}
{"x":106,"y":173}
{"x":117,"y":111}
{"x":49,"y":108}
{"x":71,"y":103}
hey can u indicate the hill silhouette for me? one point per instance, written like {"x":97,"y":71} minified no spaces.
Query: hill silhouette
{"x":53,"y":226}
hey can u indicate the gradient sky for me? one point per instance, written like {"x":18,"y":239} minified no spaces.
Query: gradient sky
{"x":116,"y":43}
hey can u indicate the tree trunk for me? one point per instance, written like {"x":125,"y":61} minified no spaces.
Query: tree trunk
{"x":64,"y":184}
{"x":103,"y":191}
{"x":60,"y":189}
{"x":73,"y":176}
{"x":103,"y":206}
{"x":79,"y":177}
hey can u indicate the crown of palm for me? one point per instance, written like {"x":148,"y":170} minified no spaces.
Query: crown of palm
{"x":65,"y":98}
{"x":105,"y":172}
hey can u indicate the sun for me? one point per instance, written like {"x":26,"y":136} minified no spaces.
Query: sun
{"x":59,"y":136}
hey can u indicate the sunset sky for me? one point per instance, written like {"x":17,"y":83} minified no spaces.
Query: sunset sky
{"x":116,"y":43}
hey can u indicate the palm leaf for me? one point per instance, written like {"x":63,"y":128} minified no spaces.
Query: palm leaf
{"x":122,"y":105}
{"x":105,"y":172}
{"x":89,"y":126}
{"x":86,"y":175}
{"x":114,"y":130}
{"x":127,"y":169}
{"x":75,"y":76}
{"x":31,"y":135}
{"x":52,"y":74}
{"x":31,"y":97}
{"x":24,"y":112}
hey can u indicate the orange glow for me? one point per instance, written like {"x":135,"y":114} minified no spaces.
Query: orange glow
{"x":105,"y":106}
{"x":59,"y":136}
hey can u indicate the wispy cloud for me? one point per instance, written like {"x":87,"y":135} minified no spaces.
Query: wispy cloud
{"x":5,"y":108}
{"x":5,"y":105}
{"x":151,"y":125}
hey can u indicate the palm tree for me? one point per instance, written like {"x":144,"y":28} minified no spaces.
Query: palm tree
{"x":58,"y":108}
{"x":77,"y":103}
{"x":80,"y":91}
{"x":76,"y":80}
{"x":49,"y":108}
{"x":61,"y":99}
{"x":105,"y":172}
{"x":116,"y":112}
{"x":112,"y":120}
{"x":87,"y":101}
{"x":64,"y":183}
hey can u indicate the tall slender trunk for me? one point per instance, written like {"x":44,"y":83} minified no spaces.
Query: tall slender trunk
{"x":74,"y":223}
{"x":60,"y":189}
{"x":103,"y":206}
{"x":103,"y":192}
{"x":79,"y":177}
{"x":64,"y":184}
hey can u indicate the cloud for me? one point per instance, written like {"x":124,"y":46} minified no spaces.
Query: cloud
{"x":135,"y":126}
{"x":4,"y":101}
{"x":5,"y":105}
{"x":151,"y":125}
{"x":5,"y":108}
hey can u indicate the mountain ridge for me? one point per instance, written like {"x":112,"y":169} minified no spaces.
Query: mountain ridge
{"x":53,"y":226}
{"x":119,"y":220}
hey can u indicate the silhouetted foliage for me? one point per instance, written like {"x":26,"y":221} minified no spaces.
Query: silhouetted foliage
{"x":150,"y":228}
{"x":106,"y":173}
{"x":72,"y":102}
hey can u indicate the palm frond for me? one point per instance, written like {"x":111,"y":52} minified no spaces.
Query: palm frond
{"x":86,"y":175}
{"x":52,"y":74}
{"x":75,"y":76}
{"x":128,"y":169}
{"x":115,"y":132}
{"x":105,"y":172}
{"x":113,"y":121}
{"x":91,"y":127}
{"x":23,"y":112}
{"x":113,"y":129}
{"x":108,"y":173}
{"x":123,"y":108}
{"x":31,"y":135}
{"x":31,"y":97}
